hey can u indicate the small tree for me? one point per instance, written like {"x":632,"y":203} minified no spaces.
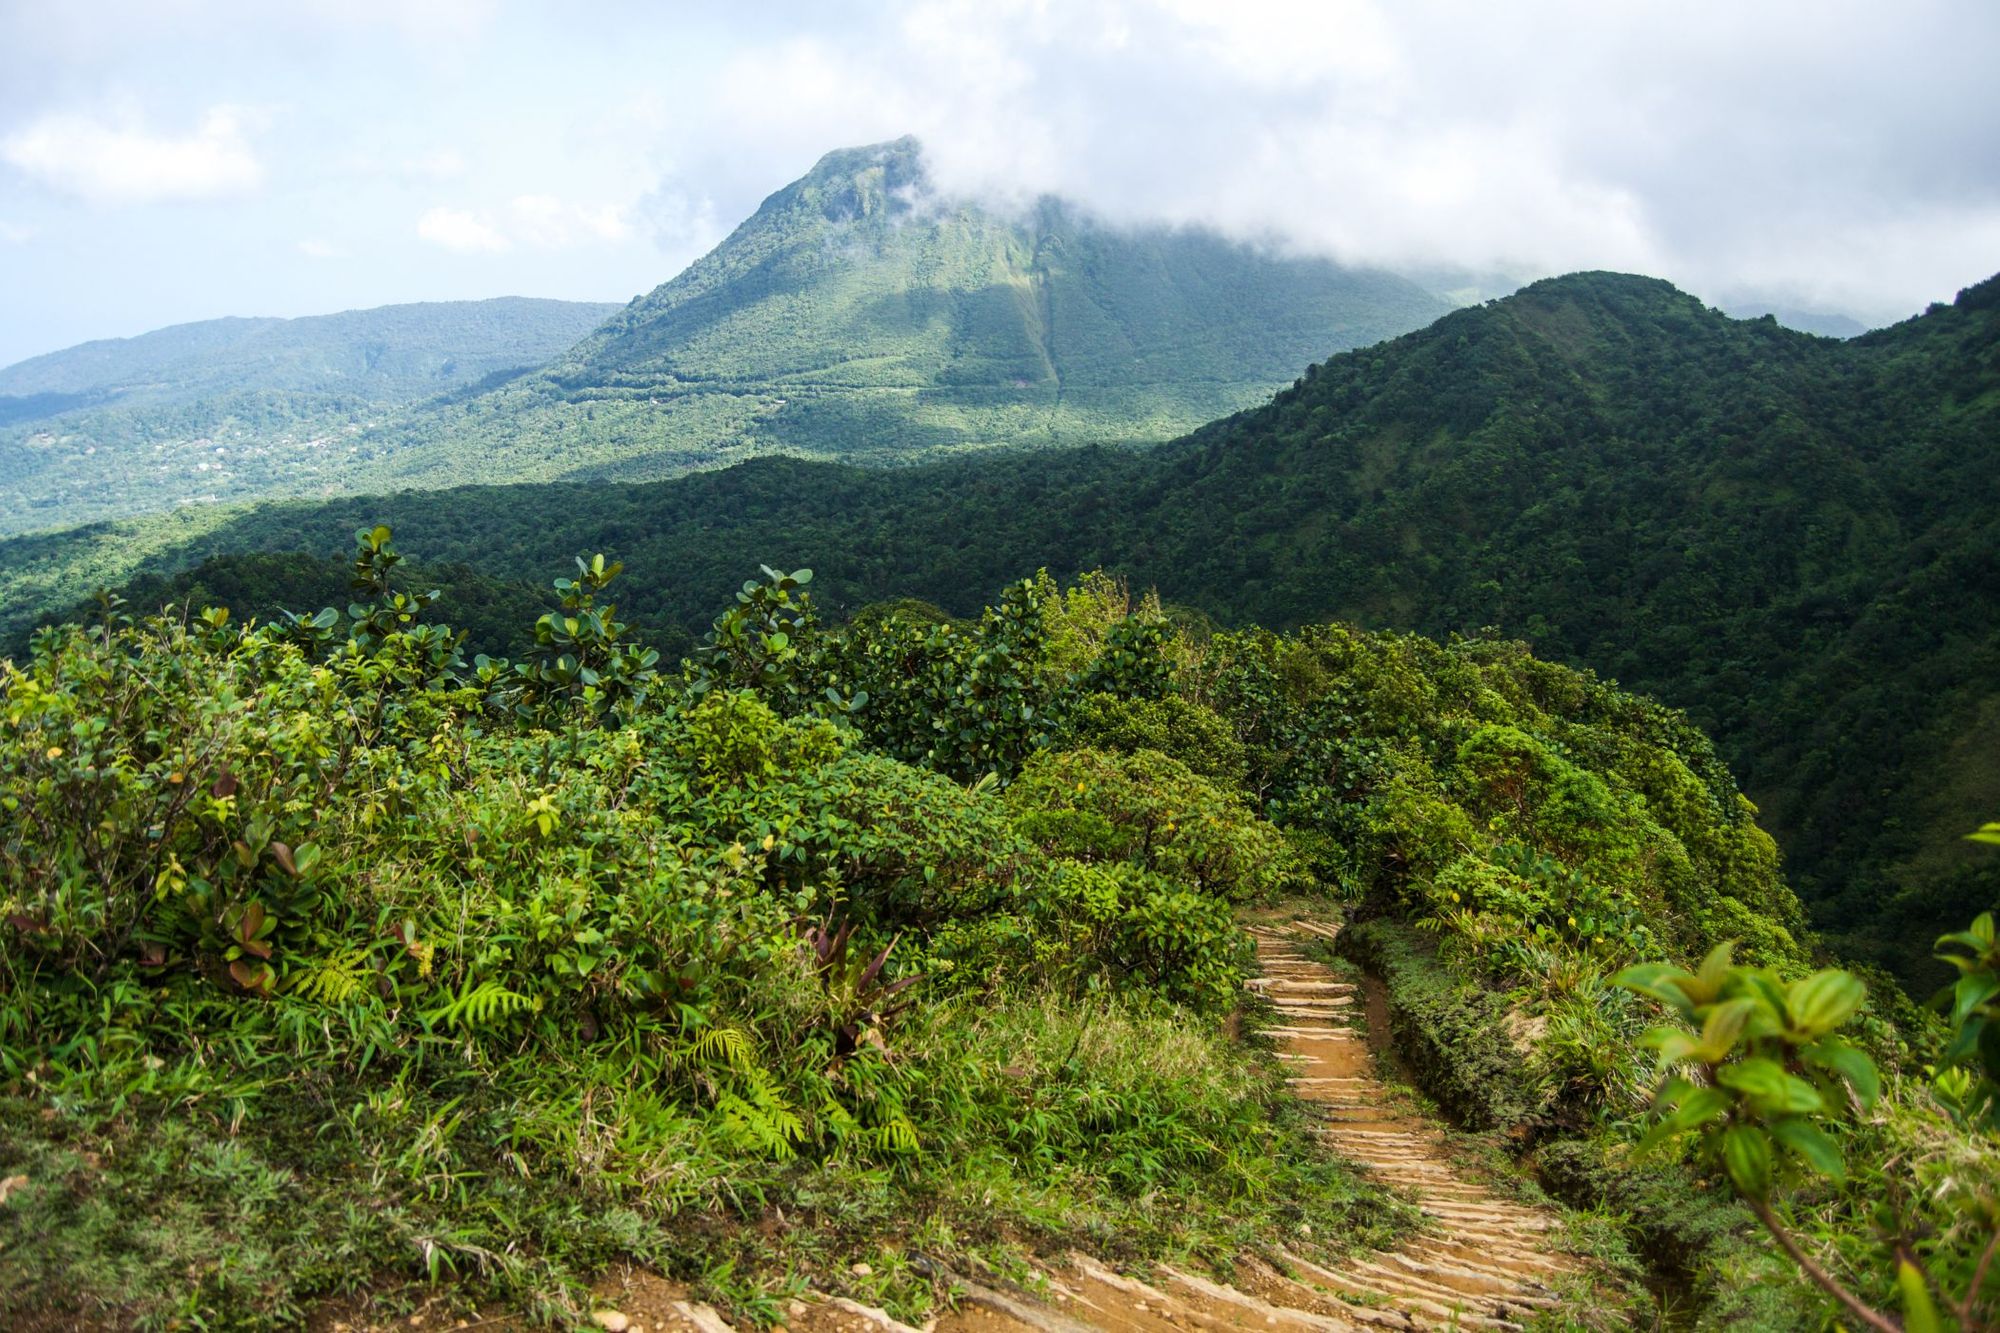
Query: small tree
{"x":580,"y":652}
{"x":1759,"y":1077}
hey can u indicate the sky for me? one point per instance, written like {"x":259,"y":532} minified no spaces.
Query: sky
{"x":163,"y":161}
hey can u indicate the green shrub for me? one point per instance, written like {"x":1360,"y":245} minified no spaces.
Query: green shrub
{"x":1143,"y":807}
{"x":1173,"y":725}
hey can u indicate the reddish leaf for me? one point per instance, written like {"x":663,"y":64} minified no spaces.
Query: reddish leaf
{"x":248,"y":924}
{"x":253,"y":977}
{"x":874,"y":969}
{"x":282,"y":854}
{"x":224,"y":785}
{"x":27,"y":925}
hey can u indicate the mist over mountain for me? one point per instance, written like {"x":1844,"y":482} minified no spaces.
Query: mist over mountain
{"x":1825,"y":323}
{"x":861,"y":314}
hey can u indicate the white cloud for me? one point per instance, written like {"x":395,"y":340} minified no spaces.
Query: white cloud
{"x":14,"y":233}
{"x":125,"y":162}
{"x":1725,"y":146}
{"x":467,"y":233}
{"x":403,"y":167}
{"x":530,"y":221}
{"x":314,"y":248}
{"x":549,"y":223}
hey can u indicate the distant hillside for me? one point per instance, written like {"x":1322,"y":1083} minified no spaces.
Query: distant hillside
{"x":1793,"y":538}
{"x":860,"y":314}
{"x":1826,"y":323}
{"x":232,"y":408}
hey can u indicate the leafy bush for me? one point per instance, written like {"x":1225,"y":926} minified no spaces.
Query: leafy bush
{"x":1153,"y":811}
{"x":467,"y":935}
{"x":1173,"y":725}
{"x":647,"y":944}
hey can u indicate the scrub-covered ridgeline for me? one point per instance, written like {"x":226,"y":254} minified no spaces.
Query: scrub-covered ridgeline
{"x":1795,"y":540}
{"x":336,"y":959}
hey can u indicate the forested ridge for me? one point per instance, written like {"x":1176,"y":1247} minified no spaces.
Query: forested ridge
{"x":1793,"y":538}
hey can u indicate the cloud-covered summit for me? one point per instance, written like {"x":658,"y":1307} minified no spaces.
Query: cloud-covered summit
{"x":1831,"y":155}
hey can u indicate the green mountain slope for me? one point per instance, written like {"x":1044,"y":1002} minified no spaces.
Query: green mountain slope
{"x":1795,"y":539}
{"x":862,"y":315}
{"x":232,"y":408}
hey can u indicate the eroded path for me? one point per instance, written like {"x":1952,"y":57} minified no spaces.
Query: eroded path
{"x":1484,"y":1262}
{"x":1488,"y":1261}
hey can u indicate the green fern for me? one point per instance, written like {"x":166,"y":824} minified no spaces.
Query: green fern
{"x":895,"y":1135}
{"x":759,"y":1119}
{"x":336,"y":979}
{"x":728,"y":1048}
{"x":477,"y":1006}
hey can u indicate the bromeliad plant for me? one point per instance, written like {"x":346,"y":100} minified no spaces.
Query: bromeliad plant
{"x":857,"y":993}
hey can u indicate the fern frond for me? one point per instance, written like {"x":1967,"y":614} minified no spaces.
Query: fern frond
{"x":896,"y":1135}
{"x":477,"y":1006}
{"x":771,"y":1130}
{"x":728,"y":1047}
{"x":335,"y":979}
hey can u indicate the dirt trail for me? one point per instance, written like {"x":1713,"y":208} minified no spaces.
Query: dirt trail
{"x":1485,"y":1262}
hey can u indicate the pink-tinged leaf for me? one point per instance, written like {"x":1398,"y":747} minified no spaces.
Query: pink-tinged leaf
{"x":282,"y":854}
{"x":27,"y":925}
{"x":874,"y":969}
{"x":225,"y":785}
{"x":253,"y":977}
{"x":248,"y":925}
{"x":899,"y":985}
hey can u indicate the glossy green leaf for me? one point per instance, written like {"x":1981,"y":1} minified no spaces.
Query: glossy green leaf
{"x":1850,"y":1064}
{"x":1823,"y":1001}
{"x":1811,"y":1145}
{"x":1972,"y":991}
{"x":1746,"y":1155}
{"x":1767,"y":1084}
{"x":1919,"y":1311}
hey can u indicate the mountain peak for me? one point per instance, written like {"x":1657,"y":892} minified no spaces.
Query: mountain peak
{"x":874,"y":180}
{"x":896,"y":156}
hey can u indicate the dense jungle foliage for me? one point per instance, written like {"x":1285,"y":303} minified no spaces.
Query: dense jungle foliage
{"x":334,"y":954}
{"x":1791,"y":538}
